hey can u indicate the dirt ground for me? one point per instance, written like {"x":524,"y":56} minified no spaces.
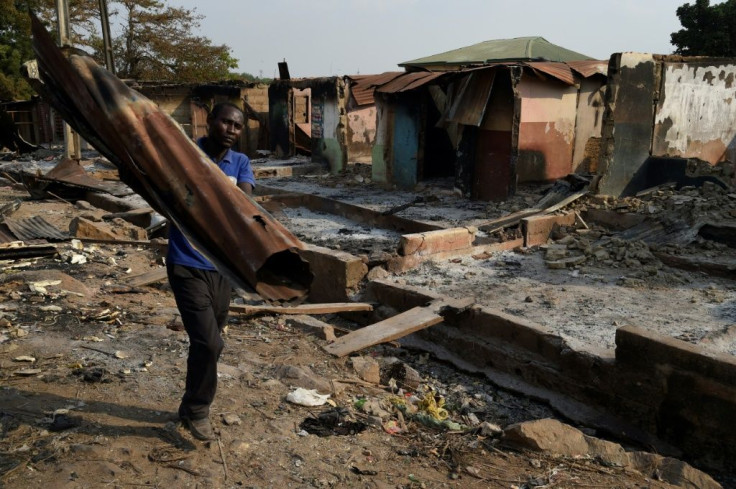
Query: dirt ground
{"x":91,"y":371}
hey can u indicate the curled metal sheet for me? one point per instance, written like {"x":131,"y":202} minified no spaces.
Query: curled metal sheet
{"x":35,"y":227}
{"x":157,"y":160}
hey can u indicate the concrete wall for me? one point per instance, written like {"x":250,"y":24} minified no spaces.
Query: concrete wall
{"x":379,"y":159}
{"x":329,"y":124}
{"x":174,"y":100}
{"x":661,"y":110}
{"x":664,"y":393}
{"x":547,"y":129}
{"x":696,"y":111}
{"x":588,"y":125}
{"x":177,"y":100}
{"x":280,"y":119}
{"x":255,"y":135}
{"x":361,"y":134}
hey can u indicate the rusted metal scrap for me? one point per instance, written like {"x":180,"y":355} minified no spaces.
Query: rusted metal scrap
{"x":157,"y":160}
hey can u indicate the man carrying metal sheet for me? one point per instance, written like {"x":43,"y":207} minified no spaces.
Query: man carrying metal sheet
{"x":203,"y":294}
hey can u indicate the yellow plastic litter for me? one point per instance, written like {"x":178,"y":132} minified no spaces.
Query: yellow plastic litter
{"x":397,"y":401}
{"x":433,"y":407}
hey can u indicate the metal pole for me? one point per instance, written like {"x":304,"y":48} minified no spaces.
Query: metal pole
{"x":106,"y":37}
{"x":72,"y":142}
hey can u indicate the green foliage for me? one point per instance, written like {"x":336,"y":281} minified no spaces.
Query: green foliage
{"x":250,"y":78}
{"x":708,"y":30}
{"x":153,"y":42}
{"x":15,"y":48}
{"x":157,"y":43}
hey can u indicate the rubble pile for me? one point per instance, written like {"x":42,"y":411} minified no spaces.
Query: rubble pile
{"x":709,"y":201}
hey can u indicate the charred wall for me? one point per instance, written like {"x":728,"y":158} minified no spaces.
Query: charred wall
{"x":662,"y":109}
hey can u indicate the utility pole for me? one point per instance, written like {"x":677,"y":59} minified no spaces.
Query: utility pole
{"x":106,"y":38}
{"x":72,"y":141}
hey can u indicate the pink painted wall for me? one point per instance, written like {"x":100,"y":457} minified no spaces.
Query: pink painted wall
{"x":546,"y":129}
{"x":361,"y":134}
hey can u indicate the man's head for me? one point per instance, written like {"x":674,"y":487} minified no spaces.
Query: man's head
{"x":225,"y":123}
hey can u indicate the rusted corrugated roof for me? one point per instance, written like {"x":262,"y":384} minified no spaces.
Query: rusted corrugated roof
{"x":589,"y":68}
{"x":157,"y":160}
{"x":363,"y":86}
{"x":5,"y":235}
{"x":408,"y":81}
{"x":474,"y":91}
{"x":34,"y":228}
{"x":69,"y":178}
{"x":560,"y":71}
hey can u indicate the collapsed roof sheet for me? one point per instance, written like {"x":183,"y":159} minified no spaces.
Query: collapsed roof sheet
{"x":473,"y":93}
{"x":35,"y":227}
{"x":363,"y":86}
{"x":157,"y":160}
{"x":590,"y":67}
{"x":409,"y":81}
{"x":560,"y":71}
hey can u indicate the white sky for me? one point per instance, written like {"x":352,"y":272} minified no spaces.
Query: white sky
{"x":343,"y":37}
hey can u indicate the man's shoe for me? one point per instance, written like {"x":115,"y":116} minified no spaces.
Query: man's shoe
{"x":201,"y":429}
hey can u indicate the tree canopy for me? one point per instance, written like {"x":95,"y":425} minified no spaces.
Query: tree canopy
{"x":151,"y":41}
{"x":708,"y":30}
{"x":157,"y":42}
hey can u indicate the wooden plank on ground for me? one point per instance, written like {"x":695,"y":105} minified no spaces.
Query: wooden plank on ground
{"x":568,"y":200}
{"x":303,"y":308}
{"x":387,"y":330}
{"x":153,"y":276}
{"x":509,"y":220}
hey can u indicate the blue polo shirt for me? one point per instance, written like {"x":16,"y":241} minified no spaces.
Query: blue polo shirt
{"x":237,"y":167}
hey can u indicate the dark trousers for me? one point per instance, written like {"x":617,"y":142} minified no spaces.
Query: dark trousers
{"x":203,"y":299}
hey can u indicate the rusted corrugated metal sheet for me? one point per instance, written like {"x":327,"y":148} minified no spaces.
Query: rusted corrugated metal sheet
{"x":469,"y":106}
{"x":589,"y":68}
{"x":408,"y":81}
{"x":560,"y":71}
{"x":6,"y":236}
{"x":363,"y":86}
{"x":156,"y":158}
{"x":34,"y":228}
{"x":68,"y":179}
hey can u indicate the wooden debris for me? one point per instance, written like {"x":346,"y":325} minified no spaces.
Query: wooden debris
{"x":302,"y":309}
{"x":651,"y":190}
{"x":18,"y":250}
{"x":147,"y":278}
{"x":516,"y":217}
{"x":506,"y":221}
{"x":568,"y":200}
{"x":396,"y":327}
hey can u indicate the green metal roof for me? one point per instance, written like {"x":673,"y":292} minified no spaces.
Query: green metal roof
{"x":516,"y":49}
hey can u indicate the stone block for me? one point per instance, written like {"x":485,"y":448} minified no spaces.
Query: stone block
{"x":312,"y":325}
{"x":537,"y":229}
{"x":367,"y":369}
{"x":431,"y":242}
{"x":337,"y":274}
